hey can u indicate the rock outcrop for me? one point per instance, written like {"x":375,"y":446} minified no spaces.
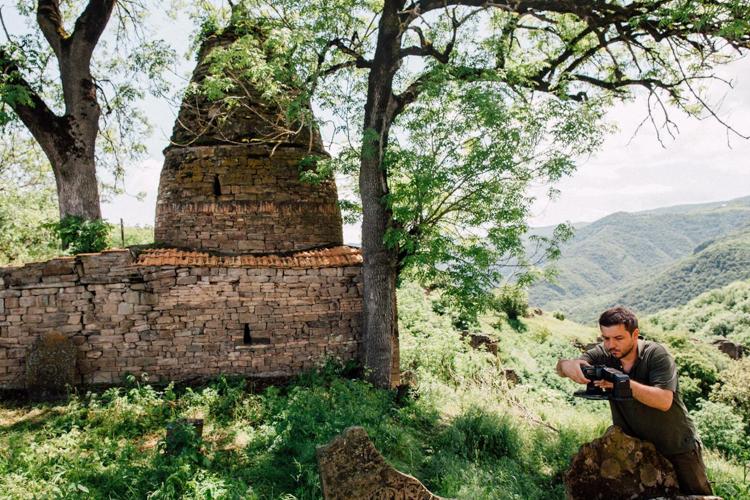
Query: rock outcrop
{"x":351,"y":467}
{"x":619,"y":467}
{"x":731,"y":349}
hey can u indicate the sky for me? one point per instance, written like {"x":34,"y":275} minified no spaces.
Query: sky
{"x":629,"y":173}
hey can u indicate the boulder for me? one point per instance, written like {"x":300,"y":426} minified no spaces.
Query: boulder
{"x":731,"y":349}
{"x":477,"y":339}
{"x":619,"y":467}
{"x":50,"y":366}
{"x":351,"y":467}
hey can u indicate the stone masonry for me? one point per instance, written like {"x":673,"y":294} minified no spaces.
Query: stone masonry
{"x":181,"y":315}
{"x":250,"y":276}
{"x":238,"y":199}
{"x":231,"y":176}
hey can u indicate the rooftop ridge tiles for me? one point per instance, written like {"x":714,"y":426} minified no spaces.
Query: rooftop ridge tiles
{"x":330,"y":257}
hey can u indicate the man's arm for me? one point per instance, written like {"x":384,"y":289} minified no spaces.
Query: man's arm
{"x":655,"y":397}
{"x":571,"y":368}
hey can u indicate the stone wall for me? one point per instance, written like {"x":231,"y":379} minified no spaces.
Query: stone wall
{"x":178,"y":315}
{"x":238,"y":199}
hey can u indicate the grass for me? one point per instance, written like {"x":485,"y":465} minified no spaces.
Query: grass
{"x":465,"y":430}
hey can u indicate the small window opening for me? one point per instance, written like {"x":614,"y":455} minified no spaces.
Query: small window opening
{"x":246,"y":339}
{"x":217,"y":185}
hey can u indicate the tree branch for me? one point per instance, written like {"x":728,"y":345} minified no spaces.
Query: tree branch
{"x":43,"y":124}
{"x":50,"y":22}
{"x":91,"y":23}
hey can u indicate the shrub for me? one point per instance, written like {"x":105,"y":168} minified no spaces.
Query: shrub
{"x":79,"y":235}
{"x":690,"y":391}
{"x":513,"y":301}
{"x":734,"y":388}
{"x":479,"y":433}
{"x":696,"y":365}
{"x":720,"y":428}
{"x":558,"y":315}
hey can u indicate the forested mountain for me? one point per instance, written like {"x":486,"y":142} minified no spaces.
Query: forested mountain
{"x":714,"y":265}
{"x":721,"y":312}
{"x":637,"y":258}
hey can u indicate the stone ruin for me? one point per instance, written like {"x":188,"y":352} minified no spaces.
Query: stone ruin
{"x":226,"y":187}
{"x":351,"y":467}
{"x":249,"y":275}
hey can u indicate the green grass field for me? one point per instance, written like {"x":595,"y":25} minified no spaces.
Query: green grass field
{"x":465,"y":430}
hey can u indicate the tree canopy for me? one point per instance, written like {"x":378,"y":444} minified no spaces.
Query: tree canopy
{"x":375,"y":65}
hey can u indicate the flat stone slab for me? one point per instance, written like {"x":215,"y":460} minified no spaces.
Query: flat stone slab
{"x":50,"y":366}
{"x":351,"y":467}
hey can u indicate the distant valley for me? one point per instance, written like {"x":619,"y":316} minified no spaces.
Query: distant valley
{"x":650,"y":260}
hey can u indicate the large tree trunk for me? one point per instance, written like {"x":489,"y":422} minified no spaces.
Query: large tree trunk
{"x":77,"y":188}
{"x":68,"y":141}
{"x":380,"y":269}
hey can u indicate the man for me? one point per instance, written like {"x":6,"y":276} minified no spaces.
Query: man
{"x":656,"y":413}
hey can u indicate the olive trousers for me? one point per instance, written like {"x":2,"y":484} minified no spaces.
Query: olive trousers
{"x":691,"y":472}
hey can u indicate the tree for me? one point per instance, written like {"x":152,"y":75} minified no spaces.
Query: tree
{"x":27,"y":201}
{"x":61,"y":107}
{"x":576,"y":52}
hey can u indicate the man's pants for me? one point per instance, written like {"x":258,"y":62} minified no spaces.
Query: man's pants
{"x":691,"y":472}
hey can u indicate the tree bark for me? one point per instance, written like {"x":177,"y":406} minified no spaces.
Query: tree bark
{"x":68,"y":141}
{"x":380,"y":268}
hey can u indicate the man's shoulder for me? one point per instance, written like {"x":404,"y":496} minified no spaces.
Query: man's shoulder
{"x":653,"y":350}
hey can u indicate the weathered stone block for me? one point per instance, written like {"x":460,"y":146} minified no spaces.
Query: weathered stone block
{"x":617,"y":466}
{"x":351,"y":467}
{"x":50,"y":366}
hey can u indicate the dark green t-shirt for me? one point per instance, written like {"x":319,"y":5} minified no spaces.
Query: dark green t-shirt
{"x":671,"y":431}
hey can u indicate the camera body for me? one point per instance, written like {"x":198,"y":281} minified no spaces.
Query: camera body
{"x":621,"y":383}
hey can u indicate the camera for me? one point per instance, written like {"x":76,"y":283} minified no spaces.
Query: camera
{"x":621,"y":384}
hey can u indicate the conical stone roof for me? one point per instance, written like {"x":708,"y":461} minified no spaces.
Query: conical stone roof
{"x":230,"y":181}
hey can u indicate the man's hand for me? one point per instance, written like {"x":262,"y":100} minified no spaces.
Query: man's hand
{"x":604,"y":384}
{"x":571,"y":368}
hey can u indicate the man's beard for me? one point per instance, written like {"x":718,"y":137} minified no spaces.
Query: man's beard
{"x":624,"y":353}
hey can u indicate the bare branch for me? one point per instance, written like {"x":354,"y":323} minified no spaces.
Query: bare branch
{"x":5,"y":29}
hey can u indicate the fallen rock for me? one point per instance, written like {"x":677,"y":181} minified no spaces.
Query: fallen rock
{"x":538,"y":312}
{"x":619,"y":467}
{"x":351,"y":467}
{"x":50,"y":366}
{"x":731,"y":349}
{"x":511,"y":376}
{"x":476,"y":340}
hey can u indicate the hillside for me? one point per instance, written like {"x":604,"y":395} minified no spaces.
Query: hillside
{"x":623,"y":249}
{"x":714,"y":265}
{"x":467,"y":428}
{"x":720,"y":312}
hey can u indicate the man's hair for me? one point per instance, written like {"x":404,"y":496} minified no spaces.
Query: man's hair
{"x":619,"y":316}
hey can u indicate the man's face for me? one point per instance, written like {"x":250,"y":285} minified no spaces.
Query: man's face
{"x":618,"y":341}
